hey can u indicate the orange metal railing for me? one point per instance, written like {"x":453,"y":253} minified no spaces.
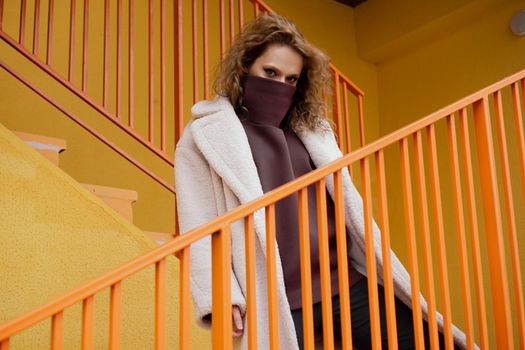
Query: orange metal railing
{"x":431,"y":140}
{"x":136,"y":64}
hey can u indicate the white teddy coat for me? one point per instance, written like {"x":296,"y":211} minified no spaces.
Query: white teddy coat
{"x":215,"y":172}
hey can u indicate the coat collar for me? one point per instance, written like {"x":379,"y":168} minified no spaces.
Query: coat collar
{"x":221,"y":138}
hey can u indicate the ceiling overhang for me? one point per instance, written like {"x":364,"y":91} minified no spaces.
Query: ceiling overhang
{"x":352,"y":3}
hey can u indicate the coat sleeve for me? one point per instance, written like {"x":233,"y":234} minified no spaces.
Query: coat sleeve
{"x":196,"y":205}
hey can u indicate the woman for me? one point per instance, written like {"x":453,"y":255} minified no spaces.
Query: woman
{"x":265,"y":128}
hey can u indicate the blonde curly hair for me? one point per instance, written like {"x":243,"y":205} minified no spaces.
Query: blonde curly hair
{"x":313,"y":87}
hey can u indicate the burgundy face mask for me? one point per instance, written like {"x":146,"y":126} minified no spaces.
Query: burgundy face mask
{"x":267,"y":100}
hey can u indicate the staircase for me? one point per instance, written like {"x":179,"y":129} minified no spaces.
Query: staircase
{"x":121,"y":200}
{"x":458,"y":203}
{"x":57,"y":235}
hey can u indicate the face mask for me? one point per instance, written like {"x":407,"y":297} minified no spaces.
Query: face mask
{"x":267,"y":100}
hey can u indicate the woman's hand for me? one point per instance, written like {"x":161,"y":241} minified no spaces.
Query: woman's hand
{"x":238,"y":329}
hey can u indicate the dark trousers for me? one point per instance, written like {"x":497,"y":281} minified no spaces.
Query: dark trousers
{"x":361,"y":335}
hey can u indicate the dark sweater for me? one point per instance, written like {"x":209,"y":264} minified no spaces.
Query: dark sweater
{"x":280,"y":157}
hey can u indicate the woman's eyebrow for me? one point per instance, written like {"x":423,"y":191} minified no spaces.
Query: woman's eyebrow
{"x":271,"y":66}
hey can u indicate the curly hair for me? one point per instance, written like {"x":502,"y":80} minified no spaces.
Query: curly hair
{"x":313,"y":87}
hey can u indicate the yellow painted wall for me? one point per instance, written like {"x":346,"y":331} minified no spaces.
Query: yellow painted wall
{"x":428,"y":55}
{"x":54,"y":236}
{"x":458,"y":62}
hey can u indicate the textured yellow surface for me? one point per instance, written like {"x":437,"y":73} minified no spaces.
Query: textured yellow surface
{"x":54,"y":236}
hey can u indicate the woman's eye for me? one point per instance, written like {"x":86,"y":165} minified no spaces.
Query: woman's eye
{"x":292,"y":80}
{"x":269,"y":72}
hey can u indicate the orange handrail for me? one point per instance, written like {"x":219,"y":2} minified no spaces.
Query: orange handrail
{"x":219,"y":230}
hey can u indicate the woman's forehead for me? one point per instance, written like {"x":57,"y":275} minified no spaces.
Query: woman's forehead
{"x":282,"y":57}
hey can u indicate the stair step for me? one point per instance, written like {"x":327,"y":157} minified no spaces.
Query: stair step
{"x":49,"y":147}
{"x":117,"y":198}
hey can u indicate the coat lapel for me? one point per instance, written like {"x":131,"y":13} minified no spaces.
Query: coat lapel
{"x":215,"y":121}
{"x":323,"y":149}
{"x":321,"y":145}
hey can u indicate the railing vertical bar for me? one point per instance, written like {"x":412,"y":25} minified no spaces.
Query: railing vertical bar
{"x":115,"y":316}
{"x":22,"y":30}
{"x":87,"y":323}
{"x":176,"y":215}
{"x":4,"y":344}
{"x":306,"y":270}
{"x":346,"y":118}
{"x":163,"y":75}
{"x":151,"y":72}
{"x":324,"y":262}
{"x":71,"y":63}
{"x":232,"y":21}
{"x":473,"y":222}
{"x":251,"y":302}
{"x":119,"y":59}
{"x":511,"y":218}
{"x":2,"y":13}
{"x":85,"y":46}
{"x":347,"y":125}
{"x":105,"y":91}
{"x":185,"y":312}
{"x":440,"y":237}
{"x":460,"y":230}
{"x":241,"y":15}
{"x":493,"y":224}
{"x":160,"y":304}
{"x":36,"y":21}
{"x":518,"y":125}
{"x":194,"y":48}
{"x":50,"y":16}
{"x":131,"y":67}
{"x":411,"y":242}
{"x":221,"y":29}
{"x":342,"y":262}
{"x":256,"y":9}
{"x":375,"y":325}
{"x":178,"y":71}
{"x":273,"y":315}
{"x":221,"y":294}
{"x":57,"y":328}
{"x":361,"y":119}
{"x":337,"y":110}
{"x":523,"y":89}
{"x":385,"y":247}
{"x":425,"y":233}
{"x":205,"y":47}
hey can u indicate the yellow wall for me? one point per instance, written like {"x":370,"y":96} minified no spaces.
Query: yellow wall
{"x":457,"y":60}
{"x":428,"y":55}
{"x":55,"y":236}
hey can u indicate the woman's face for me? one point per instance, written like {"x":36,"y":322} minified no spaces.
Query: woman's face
{"x":280,"y":63}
